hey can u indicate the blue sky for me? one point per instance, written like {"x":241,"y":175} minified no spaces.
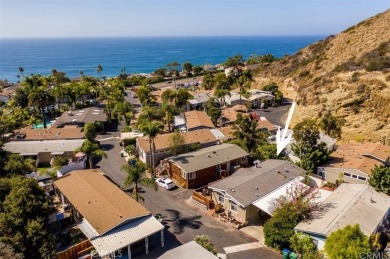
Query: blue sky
{"x":89,"y":18}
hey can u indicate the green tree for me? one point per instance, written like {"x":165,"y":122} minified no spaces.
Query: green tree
{"x":267,"y":151}
{"x":347,"y":242}
{"x":173,"y":70}
{"x":380,"y":179}
{"x":215,"y":114}
{"x":145,"y":95}
{"x":187,"y":67}
{"x":236,"y":62}
{"x":304,"y":246}
{"x":19,"y":165}
{"x":99,"y":70}
{"x":308,"y":148}
{"x":161,"y":72}
{"x":205,"y":242}
{"x":89,"y":131}
{"x":197,"y":70}
{"x":123,"y":110}
{"x":24,"y":215}
{"x":331,"y":125}
{"x":21,"y":71}
{"x":176,"y":144}
{"x":21,"y":97}
{"x":92,"y":150}
{"x":151,"y":129}
{"x":6,"y":251}
{"x":41,"y":98}
{"x":208,"y":82}
{"x":244,"y":82}
{"x":170,"y":111}
{"x":136,"y":175}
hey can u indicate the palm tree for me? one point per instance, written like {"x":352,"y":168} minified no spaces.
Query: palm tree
{"x":92,"y":150}
{"x":208,"y":82}
{"x":170,"y":111}
{"x":151,"y":130}
{"x":136,"y":175}
{"x":244,"y":81}
{"x":172,"y":67}
{"x":99,"y":70}
{"x":21,"y":70}
{"x":221,"y":93}
{"x":41,"y":98}
{"x":123,"y":110}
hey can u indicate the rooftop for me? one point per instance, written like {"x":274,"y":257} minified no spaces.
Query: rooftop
{"x":249,"y":184}
{"x":188,"y":250}
{"x":349,"y":204}
{"x":162,"y":141}
{"x":51,"y":133}
{"x":91,"y":114}
{"x":200,"y":98}
{"x":361,"y":156}
{"x":229,"y":114}
{"x":98,"y":200}
{"x":208,"y":157}
{"x":35,"y":147}
{"x":196,"y":119}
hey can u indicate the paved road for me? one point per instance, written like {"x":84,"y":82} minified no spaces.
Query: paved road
{"x":276,"y":115}
{"x":183,"y":220}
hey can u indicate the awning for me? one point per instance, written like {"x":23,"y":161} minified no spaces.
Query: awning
{"x":267,"y":202}
{"x":57,"y":153}
{"x":28,"y":154}
{"x":126,"y":235}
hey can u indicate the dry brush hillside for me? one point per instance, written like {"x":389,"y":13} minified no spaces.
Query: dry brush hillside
{"x":347,"y":74}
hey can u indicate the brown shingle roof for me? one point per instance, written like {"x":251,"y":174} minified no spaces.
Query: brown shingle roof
{"x":265,"y":124}
{"x":50,"y":133}
{"x":359,"y":156}
{"x":190,"y":137}
{"x":197,"y":119}
{"x":99,"y":201}
{"x":228,"y":131}
{"x":230,"y":113}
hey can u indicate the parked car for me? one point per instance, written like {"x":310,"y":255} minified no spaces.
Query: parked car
{"x":165,"y":182}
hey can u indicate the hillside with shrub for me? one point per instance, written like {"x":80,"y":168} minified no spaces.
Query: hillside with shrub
{"x":347,"y":74}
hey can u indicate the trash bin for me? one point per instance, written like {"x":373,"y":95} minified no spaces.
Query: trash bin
{"x":293,"y":256}
{"x":285,"y":253}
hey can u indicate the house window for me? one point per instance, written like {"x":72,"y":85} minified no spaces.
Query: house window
{"x":243,"y":159}
{"x":233,"y":206}
{"x":354,"y":176}
{"x":347,"y":174}
{"x":183,"y":174}
{"x":362,"y":178}
{"x":191,"y":175}
{"x":221,"y":198}
{"x":218,"y":167}
{"x":321,"y":172}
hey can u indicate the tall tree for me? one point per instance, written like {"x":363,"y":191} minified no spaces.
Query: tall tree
{"x":331,"y":125}
{"x":173,"y":70}
{"x":304,"y":246}
{"x":187,"y":67}
{"x":21,"y":97}
{"x":380,"y":179}
{"x":92,"y":150}
{"x":208,"y":82}
{"x":145,"y":95}
{"x":41,"y":98}
{"x":19,"y":165}
{"x":244,"y":82}
{"x":151,"y":130}
{"x":176,"y":144}
{"x":21,"y":71}
{"x":136,"y":175}
{"x":90,"y":131}
{"x":236,"y":63}
{"x":197,"y":70}
{"x":99,"y":70}
{"x":347,"y":242}
{"x":123,"y":110}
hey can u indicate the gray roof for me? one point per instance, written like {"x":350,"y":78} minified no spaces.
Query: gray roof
{"x":349,"y":204}
{"x":188,"y":250}
{"x":250,"y":184}
{"x":35,"y":147}
{"x":200,"y":98}
{"x":328,"y":140}
{"x":91,"y":114}
{"x":208,"y":157}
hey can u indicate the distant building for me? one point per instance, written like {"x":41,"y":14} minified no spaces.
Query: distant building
{"x":199,"y":100}
{"x":229,"y":114}
{"x":257,"y":96}
{"x":29,"y":133}
{"x":197,"y":120}
{"x":235,"y":99}
{"x":206,"y":165}
{"x":111,"y":220}
{"x":349,"y":204}
{"x":354,"y":162}
{"x":188,"y":250}
{"x":193,"y":140}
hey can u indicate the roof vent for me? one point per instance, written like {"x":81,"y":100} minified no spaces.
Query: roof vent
{"x":233,"y":190}
{"x":257,"y":188}
{"x":286,"y":170}
{"x":208,"y":155}
{"x":227,"y":187}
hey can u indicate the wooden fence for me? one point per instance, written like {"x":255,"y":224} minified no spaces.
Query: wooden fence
{"x":199,"y":197}
{"x":76,"y":251}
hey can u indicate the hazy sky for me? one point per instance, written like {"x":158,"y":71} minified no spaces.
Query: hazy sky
{"x":75,"y":18}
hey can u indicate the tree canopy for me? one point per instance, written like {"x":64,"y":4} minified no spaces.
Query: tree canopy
{"x":205,"y":242}
{"x":331,"y":125}
{"x":380,"y":178}
{"x":347,"y":242}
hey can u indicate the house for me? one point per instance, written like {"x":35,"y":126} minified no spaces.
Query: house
{"x":44,"y":150}
{"x":250,"y":193}
{"x":349,"y":204}
{"x":229,"y":114}
{"x":113,"y":222}
{"x":192,"y":140}
{"x":354,"y":162}
{"x":266,"y":125}
{"x":235,"y":99}
{"x":199,"y":100}
{"x":257,"y":96}
{"x":188,"y":250}
{"x":29,"y":133}
{"x":82,"y":116}
{"x":201,"y":167}
{"x":44,"y":180}
{"x":197,"y":120}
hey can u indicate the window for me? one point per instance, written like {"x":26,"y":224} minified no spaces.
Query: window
{"x":347,"y":174}
{"x":221,"y":198}
{"x":321,"y":172}
{"x":218,"y":167}
{"x":362,"y":178}
{"x":183,"y":174}
{"x":243,"y":159}
{"x":233,"y":206}
{"x":191,"y":175}
{"x":354,"y":176}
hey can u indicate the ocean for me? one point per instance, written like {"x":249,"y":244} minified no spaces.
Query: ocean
{"x":136,"y":54}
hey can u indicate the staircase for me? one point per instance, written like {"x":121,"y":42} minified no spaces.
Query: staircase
{"x":161,"y":168}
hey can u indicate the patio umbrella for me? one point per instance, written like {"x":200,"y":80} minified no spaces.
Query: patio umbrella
{"x":80,"y":154}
